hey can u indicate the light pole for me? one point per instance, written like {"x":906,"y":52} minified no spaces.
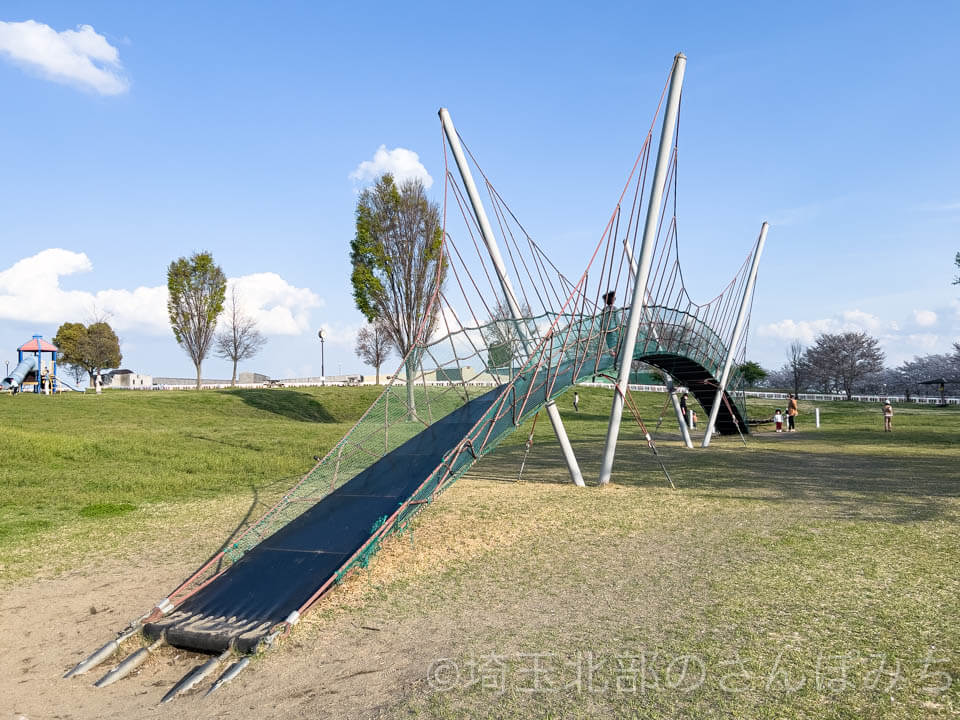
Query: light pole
{"x":323,"y":373}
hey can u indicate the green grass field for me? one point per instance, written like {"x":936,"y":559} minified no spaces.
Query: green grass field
{"x":804,"y":575}
{"x":80,"y":463}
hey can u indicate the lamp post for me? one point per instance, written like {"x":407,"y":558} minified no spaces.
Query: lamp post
{"x":323,"y":373}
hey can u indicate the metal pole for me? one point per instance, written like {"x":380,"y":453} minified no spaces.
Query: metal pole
{"x":681,"y":421}
{"x":491,"y":242}
{"x":323,"y":372}
{"x":633,"y":271}
{"x":737,"y":331}
{"x":629,"y":340}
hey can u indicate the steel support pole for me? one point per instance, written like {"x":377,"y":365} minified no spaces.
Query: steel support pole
{"x":491,"y":242}
{"x":737,"y":332}
{"x":629,"y":339}
{"x":633,"y":271}
{"x":681,"y":421}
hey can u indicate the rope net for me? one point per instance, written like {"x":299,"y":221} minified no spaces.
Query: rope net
{"x":471,"y":348}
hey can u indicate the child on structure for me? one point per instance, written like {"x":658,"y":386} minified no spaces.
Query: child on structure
{"x":609,"y":322}
{"x":778,"y":419}
{"x":887,"y":417}
{"x":576,"y":401}
{"x":792,"y":413}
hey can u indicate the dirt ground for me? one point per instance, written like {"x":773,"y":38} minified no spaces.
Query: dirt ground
{"x":363,"y":653}
{"x":496,"y":565}
{"x":47,"y":626}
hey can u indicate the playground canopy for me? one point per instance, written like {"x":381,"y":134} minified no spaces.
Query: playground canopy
{"x":38,"y":345}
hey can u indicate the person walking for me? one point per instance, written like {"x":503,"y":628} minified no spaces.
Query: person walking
{"x":98,"y":384}
{"x":778,"y":420}
{"x":792,"y":413}
{"x":683,"y":408}
{"x":887,"y":417}
{"x":576,"y":401}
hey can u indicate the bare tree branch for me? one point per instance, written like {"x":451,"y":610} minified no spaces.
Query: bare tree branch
{"x":239,"y":339}
{"x":374,"y":345}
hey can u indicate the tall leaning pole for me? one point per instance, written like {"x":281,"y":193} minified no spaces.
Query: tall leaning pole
{"x":491,"y":242}
{"x":737,"y":332}
{"x":629,"y":339}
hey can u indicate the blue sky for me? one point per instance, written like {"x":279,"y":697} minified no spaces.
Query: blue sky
{"x":236,"y":127}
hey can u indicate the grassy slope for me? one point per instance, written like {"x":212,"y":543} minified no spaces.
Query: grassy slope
{"x":74,"y":463}
{"x":781,"y":556}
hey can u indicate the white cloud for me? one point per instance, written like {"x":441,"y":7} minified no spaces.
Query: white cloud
{"x":807,"y":330}
{"x":900,"y":341}
{"x":403,"y":164}
{"x":858,"y":320}
{"x":79,"y":57}
{"x":803,"y":330}
{"x":278,"y":307}
{"x":924,"y":318}
{"x":30,"y":292}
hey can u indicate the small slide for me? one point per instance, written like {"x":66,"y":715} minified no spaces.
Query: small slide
{"x":24,"y":368}
{"x":68,"y":386}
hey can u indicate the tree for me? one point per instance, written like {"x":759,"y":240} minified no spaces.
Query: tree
{"x":751,"y":372}
{"x":88,"y":348}
{"x":374,"y":346}
{"x":398,"y":264}
{"x":840,"y":360}
{"x":196,"y":288}
{"x":505,"y":336}
{"x":240,"y":339}
{"x":928,"y":367}
{"x":797,"y":366}
{"x":102,"y":349}
{"x":69,"y":340}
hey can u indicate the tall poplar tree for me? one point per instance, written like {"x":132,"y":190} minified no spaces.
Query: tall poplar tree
{"x":398,"y":264}
{"x":196,"y":287}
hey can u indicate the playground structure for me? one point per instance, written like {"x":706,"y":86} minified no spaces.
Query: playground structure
{"x":29,"y":373}
{"x":509,"y":314}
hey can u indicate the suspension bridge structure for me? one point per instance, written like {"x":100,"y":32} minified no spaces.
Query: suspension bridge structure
{"x":502,"y":335}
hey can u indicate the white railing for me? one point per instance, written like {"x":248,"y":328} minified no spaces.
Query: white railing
{"x":830,"y":397}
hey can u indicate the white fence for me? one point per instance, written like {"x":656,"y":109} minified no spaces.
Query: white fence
{"x":829,"y":397}
{"x":357,"y":381}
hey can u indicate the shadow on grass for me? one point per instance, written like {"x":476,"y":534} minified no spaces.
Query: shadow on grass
{"x":290,"y":404}
{"x":825,"y":485}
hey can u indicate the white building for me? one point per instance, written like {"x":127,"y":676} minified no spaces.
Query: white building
{"x":127,"y":380}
